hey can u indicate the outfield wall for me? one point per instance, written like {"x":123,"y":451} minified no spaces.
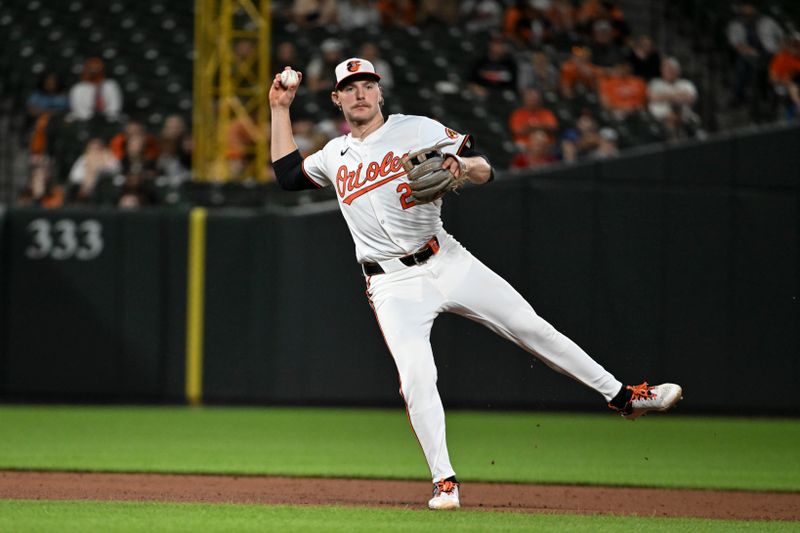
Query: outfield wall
{"x":678,"y":263}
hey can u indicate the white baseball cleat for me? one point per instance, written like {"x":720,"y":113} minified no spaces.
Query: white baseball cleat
{"x":645,"y":398}
{"x":445,"y":495}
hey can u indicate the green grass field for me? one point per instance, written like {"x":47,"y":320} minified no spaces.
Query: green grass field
{"x":80,"y":517}
{"x":665,"y":451}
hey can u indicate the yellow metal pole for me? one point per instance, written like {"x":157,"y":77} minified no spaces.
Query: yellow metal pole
{"x":264,"y":81}
{"x":224,"y":45}
{"x":195,"y":306}
{"x":198,"y":120}
{"x":205,"y":69}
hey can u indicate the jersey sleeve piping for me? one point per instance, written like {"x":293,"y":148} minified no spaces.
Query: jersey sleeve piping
{"x":463,"y":144}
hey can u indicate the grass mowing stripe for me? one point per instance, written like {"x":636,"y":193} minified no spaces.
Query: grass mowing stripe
{"x":665,"y":451}
{"x":67,"y":517}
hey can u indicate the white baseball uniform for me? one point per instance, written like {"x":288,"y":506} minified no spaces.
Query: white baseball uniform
{"x":374,"y":196}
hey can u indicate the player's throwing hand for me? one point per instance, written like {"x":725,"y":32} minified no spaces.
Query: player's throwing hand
{"x":284,"y":88}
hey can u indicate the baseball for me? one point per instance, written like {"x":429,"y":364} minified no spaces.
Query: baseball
{"x":289,"y":79}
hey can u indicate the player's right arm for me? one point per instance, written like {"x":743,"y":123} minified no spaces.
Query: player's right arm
{"x":286,"y":159}
{"x":280,"y":99}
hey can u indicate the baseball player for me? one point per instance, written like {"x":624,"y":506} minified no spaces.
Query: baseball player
{"x":390,"y":174}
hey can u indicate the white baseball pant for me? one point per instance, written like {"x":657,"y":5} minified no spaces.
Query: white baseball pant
{"x":406,"y":302}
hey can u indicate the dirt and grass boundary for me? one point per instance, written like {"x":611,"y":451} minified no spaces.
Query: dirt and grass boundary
{"x":273,"y":490}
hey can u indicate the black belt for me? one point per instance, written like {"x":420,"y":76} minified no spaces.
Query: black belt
{"x":417,"y":258}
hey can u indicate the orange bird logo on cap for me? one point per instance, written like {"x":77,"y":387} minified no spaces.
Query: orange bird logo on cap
{"x":353,"y":66}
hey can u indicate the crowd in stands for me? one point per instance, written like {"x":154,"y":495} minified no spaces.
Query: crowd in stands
{"x":766,"y":60}
{"x":131,"y":158}
{"x":541,"y":54}
{"x":583,"y":52}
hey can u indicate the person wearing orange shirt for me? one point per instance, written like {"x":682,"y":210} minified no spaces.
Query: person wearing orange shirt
{"x":118,"y":142}
{"x":784,"y":71}
{"x":538,"y":152}
{"x":531,"y":117}
{"x":621,"y":92}
{"x":41,"y":190}
{"x":578,"y":70}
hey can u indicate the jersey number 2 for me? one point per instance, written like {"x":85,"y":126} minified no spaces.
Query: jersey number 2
{"x":405,"y":194}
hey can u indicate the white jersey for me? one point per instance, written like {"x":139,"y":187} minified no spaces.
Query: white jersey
{"x":372,"y":188}
{"x":375,"y":199}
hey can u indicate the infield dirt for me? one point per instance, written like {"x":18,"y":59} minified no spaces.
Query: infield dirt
{"x":735,"y":505}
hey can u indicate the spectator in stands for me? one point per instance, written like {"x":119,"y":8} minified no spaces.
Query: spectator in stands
{"x":578,"y":73}
{"x":622,"y":30}
{"x":398,"y":12}
{"x":135,"y":160}
{"x":670,"y":99}
{"x":538,"y":152}
{"x":314,"y":12}
{"x":245,"y":49}
{"x":496,"y":71}
{"x":41,"y":190}
{"x":139,"y":172}
{"x":97,"y":160}
{"x":332,"y":127}
{"x":94,"y":94}
{"x":245,"y":52}
{"x":538,"y":72}
{"x":444,"y":12}
{"x":318,"y":73}
{"x":175,"y":151}
{"x":621,"y":92}
{"x":580,"y":141}
{"x":481,"y":15}
{"x":532,"y":116}
{"x":119,"y":142}
{"x":587,"y":13}
{"x":561,"y":15}
{"x":645,"y":60}
{"x":607,"y":147}
{"x":526,"y":26}
{"x":605,"y":51}
{"x":372,"y":53}
{"x":569,"y":146}
{"x":592,"y":11}
{"x":49,"y":99}
{"x":137,"y":191}
{"x":754,"y":38}
{"x":308,"y":136}
{"x":355,"y":14}
{"x":243,"y":135}
{"x":784,"y":73}
{"x":285,"y":55}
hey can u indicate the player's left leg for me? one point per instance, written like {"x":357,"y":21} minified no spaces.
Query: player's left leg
{"x":476,"y":292}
